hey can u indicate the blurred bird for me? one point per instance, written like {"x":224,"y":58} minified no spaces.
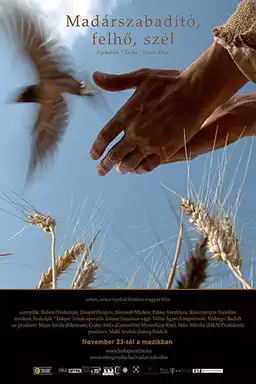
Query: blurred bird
{"x":54,"y":68}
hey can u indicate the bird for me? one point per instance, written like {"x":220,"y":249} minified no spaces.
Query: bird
{"x":53,"y":64}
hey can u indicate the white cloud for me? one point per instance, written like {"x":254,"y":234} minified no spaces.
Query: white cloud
{"x":57,"y":10}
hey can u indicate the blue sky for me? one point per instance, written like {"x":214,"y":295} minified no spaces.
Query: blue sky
{"x":130,"y":207}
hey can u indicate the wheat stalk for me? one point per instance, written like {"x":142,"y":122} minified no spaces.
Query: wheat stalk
{"x":47,"y":224}
{"x":54,"y":273}
{"x":87,"y":276}
{"x":196,"y":265}
{"x":177,"y":253}
{"x":62,"y":264}
{"x":222,"y":241}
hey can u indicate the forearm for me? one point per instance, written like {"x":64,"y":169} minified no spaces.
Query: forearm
{"x":231,"y":121}
{"x":215,"y":78}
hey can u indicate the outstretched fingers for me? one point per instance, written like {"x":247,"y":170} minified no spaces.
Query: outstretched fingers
{"x":119,"y":123}
{"x":114,"y":156}
{"x":148,"y":164}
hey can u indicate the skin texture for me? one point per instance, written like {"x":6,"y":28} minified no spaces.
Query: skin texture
{"x":231,"y":121}
{"x":165,"y":112}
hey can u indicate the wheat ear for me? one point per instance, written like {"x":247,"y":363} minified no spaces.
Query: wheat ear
{"x":222,"y":241}
{"x":87,"y":276}
{"x":195,"y":270}
{"x":83,"y":261}
{"x":62,"y":264}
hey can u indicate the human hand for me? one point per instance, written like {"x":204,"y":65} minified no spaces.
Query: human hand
{"x":166,"y":110}
{"x":145,"y":118}
{"x":231,"y":121}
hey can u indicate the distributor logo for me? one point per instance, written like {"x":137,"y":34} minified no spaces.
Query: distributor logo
{"x":62,"y":370}
{"x":117,"y":370}
{"x":136,"y":369}
{"x":39,"y":371}
{"x":95,"y":370}
{"x":164,"y":370}
{"x":75,"y":370}
{"x":108,"y":371}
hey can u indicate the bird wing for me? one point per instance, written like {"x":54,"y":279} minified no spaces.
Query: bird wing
{"x":27,"y":26}
{"x":47,"y":133}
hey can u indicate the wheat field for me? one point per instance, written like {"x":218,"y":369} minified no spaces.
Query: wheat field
{"x":207,"y":217}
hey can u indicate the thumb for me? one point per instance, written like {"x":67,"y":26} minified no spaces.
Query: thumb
{"x":115,"y":83}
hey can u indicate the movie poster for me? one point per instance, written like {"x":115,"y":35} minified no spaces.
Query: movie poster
{"x":127,"y":185}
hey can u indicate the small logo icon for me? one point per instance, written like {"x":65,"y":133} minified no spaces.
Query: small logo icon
{"x":42,"y":371}
{"x":125,"y":370}
{"x":85,"y":369}
{"x":164,"y":370}
{"x":136,"y":369}
{"x":37,"y":371}
{"x":172,"y":370}
{"x":196,"y":370}
{"x":117,"y":370}
{"x":62,"y":370}
{"x":186,"y":370}
{"x":209,"y":370}
{"x":75,"y":370}
{"x":95,"y":370}
{"x":108,"y":371}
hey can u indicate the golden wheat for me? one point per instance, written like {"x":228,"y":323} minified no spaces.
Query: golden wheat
{"x":177,"y":253}
{"x":195,"y":269}
{"x":83,"y":261}
{"x":87,"y":276}
{"x":62,"y":264}
{"x":45,"y":222}
{"x":222,"y":241}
